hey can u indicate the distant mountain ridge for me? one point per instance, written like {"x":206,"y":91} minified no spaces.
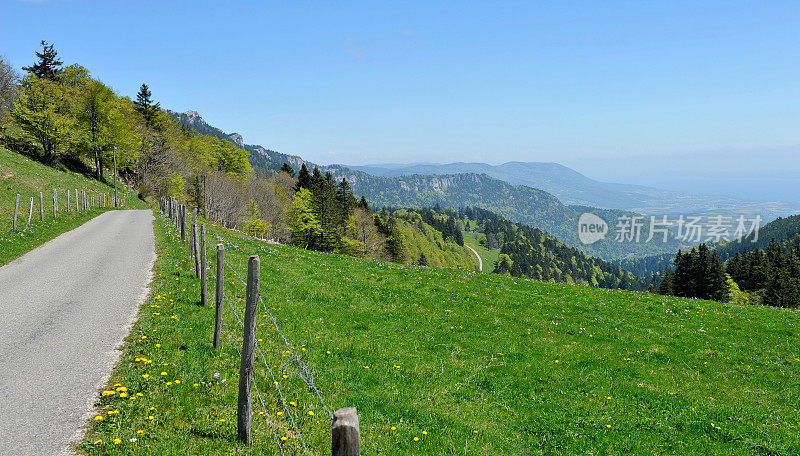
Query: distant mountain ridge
{"x":573,"y":188}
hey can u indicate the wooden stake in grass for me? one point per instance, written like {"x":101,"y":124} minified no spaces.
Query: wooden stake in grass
{"x":346,"y":433}
{"x":219,"y":294}
{"x":68,"y":208}
{"x":195,"y":241}
{"x":16,"y":209}
{"x":41,"y":207}
{"x":203,"y":284}
{"x":244,"y":406}
{"x":55,"y":203}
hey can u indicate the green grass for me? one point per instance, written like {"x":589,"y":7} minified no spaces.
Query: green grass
{"x":26,"y":177}
{"x":488,"y":256}
{"x":468,"y":363}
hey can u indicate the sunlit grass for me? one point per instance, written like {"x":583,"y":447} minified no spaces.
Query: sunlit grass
{"x":442,"y":361}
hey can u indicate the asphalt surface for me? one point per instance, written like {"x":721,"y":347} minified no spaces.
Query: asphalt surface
{"x":65,"y":307}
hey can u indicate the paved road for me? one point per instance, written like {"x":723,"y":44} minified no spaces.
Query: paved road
{"x":480,"y":260}
{"x":64,"y":309}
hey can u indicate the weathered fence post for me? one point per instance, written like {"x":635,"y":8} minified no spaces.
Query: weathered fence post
{"x":30,"y":214}
{"x":196,"y":249}
{"x":203,"y":284}
{"x":16,"y":209}
{"x":183,"y":223}
{"x":41,"y":207}
{"x":68,"y":209}
{"x":77,"y":204}
{"x":192,"y":233}
{"x":243,"y":408}
{"x":219,"y":294}
{"x":346,"y":434}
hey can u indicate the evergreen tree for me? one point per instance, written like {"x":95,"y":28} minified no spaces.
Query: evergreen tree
{"x":48,"y":66}
{"x":145,"y":107}
{"x":288,"y":169}
{"x":303,"y":179}
{"x":347,"y":202}
{"x":666,"y":283}
{"x":303,"y":222}
{"x":363,"y":204}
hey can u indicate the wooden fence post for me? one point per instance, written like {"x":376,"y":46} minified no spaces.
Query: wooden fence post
{"x":192,"y":234}
{"x":41,"y":207}
{"x":55,"y":203}
{"x":183,"y":223}
{"x":16,"y":209}
{"x":219,"y":294}
{"x":68,"y":208}
{"x":30,"y":214}
{"x":203,"y":284}
{"x":346,"y":434}
{"x":244,"y":406}
{"x":77,"y":204}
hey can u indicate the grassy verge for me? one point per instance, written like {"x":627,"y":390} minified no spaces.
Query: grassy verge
{"x":442,"y":361}
{"x":26,"y":177}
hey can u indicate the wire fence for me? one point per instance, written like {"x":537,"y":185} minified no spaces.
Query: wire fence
{"x":25,"y":210}
{"x":174,"y":216}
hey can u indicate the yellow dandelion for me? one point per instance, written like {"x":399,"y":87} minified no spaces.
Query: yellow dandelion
{"x":117,"y":441}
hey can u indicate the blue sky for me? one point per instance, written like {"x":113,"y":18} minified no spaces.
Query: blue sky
{"x":663,"y":93}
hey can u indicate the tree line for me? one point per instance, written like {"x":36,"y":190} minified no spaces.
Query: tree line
{"x":769,"y":276}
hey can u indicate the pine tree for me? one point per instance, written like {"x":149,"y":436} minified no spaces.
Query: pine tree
{"x":145,"y":107}
{"x":363,"y":204}
{"x":288,"y":169}
{"x":347,"y":202}
{"x":48,"y":66}
{"x":303,"y":179}
{"x":666,"y":283}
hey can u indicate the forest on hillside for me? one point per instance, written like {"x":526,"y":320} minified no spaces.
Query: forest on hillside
{"x":64,"y":117}
{"x":529,"y":252}
{"x":768,"y":276}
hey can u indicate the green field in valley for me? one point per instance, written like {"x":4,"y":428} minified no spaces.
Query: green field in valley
{"x":489,"y":256}
{"x":443,"y":361}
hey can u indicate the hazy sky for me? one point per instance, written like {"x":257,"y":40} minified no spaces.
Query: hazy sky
{"x":627,"y":91}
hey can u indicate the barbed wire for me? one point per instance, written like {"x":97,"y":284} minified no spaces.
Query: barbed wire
{"x":305,"y":373}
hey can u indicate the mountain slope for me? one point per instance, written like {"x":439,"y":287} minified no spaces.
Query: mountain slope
{"x":572,"y":187}
{"x":517,"y":203}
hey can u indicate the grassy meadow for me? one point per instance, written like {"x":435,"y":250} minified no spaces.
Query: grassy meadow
{"x":26,"y":177}
{"x":443,"y":361}
{"x":489,"y":256}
